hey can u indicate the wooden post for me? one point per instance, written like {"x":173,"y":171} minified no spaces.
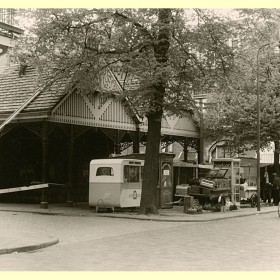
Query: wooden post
{"x":44,"y":202}
{"x":70,"y":166}
{"x":186,"y":149}
{"x":136,"y":141}
{"x":201,"y":138}
{"x":117,"y":144}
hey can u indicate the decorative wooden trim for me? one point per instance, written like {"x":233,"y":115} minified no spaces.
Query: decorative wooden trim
{"x":35,"y":127}
{"x":79,"y":130}
{"x":115,"y":135}
{"x":189,"y":142}
{"x":93,"y":109}
{"x":170,"y":121}
{"x":6,"y":129}
{"x":110,"y":133}
{"x":125,"y":145}
{"x":172,"y":125}
{"x":122,"y":133}
{"x":166,"y":141}
{"x":109,"y":83}
{"x":64,"y":128}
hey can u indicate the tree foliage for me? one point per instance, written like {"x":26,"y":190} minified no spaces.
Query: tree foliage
{"x":234,"y":116}
{"x":170,"y":54}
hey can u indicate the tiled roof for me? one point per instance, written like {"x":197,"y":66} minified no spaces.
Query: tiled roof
{"x":15,"y":90}
{"x":127,"y":83}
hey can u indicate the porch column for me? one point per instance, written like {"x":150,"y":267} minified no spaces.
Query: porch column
{"x":44,"y":199}
{"x":70,"y":165}
{"x":186,"y":144}
{"x":136,"y":141}
{"x":201,"y":137}
{"x":117,"y":144}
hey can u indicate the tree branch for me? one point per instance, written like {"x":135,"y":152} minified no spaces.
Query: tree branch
{"x":144,"y":31}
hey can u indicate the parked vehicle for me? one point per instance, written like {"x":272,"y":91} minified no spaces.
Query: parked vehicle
{"x":214,"y":188}
{"x":115,"y":182}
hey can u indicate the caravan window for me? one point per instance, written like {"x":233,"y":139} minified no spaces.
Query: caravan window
{"x":131,"y":173}
{"x":104,"y":171}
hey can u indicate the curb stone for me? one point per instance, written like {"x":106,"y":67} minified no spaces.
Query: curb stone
{"x":28,"y":248}
{"x":165,"y":219}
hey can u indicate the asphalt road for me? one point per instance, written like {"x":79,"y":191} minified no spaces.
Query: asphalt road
{"x":107,"y":244}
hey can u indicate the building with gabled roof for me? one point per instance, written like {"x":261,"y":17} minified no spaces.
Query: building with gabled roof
{"x":50,"y":133}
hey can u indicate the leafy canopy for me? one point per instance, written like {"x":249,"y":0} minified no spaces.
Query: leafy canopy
{"x":234,"y":116}
{"x":83,"y":43}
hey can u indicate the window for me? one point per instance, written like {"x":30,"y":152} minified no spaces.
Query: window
{"x":104,"y":171}
{"x":7,"y":16}
{"x":131,"y":173}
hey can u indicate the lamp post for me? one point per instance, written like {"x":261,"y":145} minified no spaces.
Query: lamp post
{"x":258,"y":131}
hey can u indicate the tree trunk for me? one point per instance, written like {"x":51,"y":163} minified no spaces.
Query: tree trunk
{"x":151,"y":169}
{"x":276,"y":157}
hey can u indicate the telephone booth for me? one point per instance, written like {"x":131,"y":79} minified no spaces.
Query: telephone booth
{"x":165,"y":186}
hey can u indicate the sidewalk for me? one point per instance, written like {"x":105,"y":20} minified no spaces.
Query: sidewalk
{"x":16,"y":238}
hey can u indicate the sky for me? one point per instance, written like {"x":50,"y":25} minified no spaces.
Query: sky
{"x":25,"y":23}
{"x":141,"y":4}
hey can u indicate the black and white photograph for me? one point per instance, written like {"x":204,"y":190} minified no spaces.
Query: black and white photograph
{"x":139,"y":138}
